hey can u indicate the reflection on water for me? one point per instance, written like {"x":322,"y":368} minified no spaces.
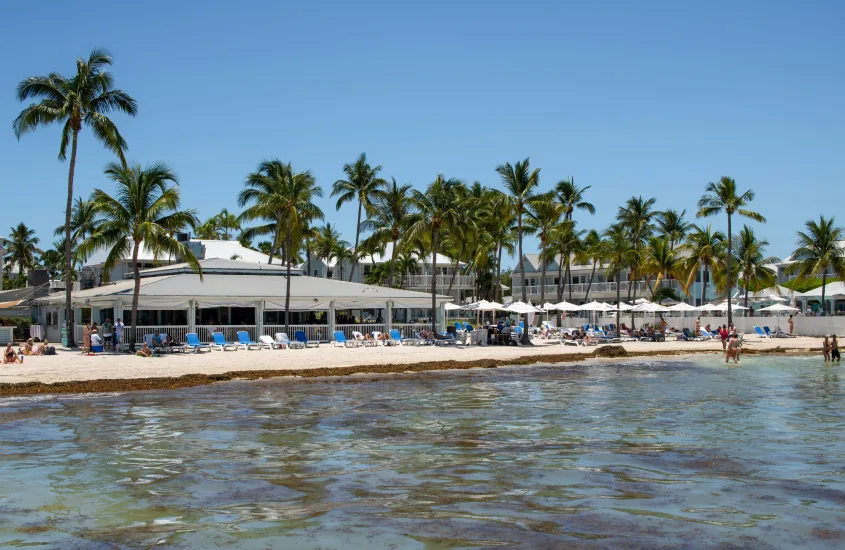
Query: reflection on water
{"x":681,"y":453}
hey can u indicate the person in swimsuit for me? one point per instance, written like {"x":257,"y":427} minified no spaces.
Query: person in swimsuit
{"x":791,"y":324}
{"x":826,"y":349}
{"x":732,"y":351}
{"x":724,"y":335}
{"x":10,"y":357}
{"x":86,"y":338}
{"x":834,"y":349}
{"x":145,"y":351}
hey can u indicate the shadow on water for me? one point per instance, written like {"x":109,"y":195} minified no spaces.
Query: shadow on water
{"x":641,"y":454}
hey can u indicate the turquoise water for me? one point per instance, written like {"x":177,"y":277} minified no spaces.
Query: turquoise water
{"x":635,"y":454}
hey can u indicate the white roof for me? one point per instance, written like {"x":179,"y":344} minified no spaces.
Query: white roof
{"x":830,"y":290}
{"x":213,"y":249}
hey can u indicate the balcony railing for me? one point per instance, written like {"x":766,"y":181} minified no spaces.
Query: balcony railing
{"x":443,"y":281}
{"x":596,"y":288}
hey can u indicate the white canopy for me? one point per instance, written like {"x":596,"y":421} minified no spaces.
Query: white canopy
{"x":452,"y":307}
{"x":708,"y":307}
{"x":624,"y":307}
{"x":649,"y":307}
{"x":724,"y":307}
{"x":596,"y":306}
{"x":566,"y":306}
{"x":830,"y":290}
{"x":682,"y":306}
{"x":522,"y":308}
{"x":771,"y":298}
{"x":779,"y":307}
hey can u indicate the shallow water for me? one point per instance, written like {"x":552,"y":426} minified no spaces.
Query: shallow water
{"x":635,"y":454}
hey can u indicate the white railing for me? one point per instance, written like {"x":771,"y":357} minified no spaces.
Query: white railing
{"x":312,"y":332}
{"x":408,"y":330}
{"x":424,"y":281}
{"x":365,"y":328}
{"x":230,"y":332}
{"x":136,"y":335}
{"x":595,"y":288}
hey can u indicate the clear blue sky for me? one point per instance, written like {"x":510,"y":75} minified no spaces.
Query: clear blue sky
{"x":652,"y":98}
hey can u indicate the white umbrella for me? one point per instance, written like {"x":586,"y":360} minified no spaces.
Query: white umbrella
{"x":522,"y":308}
{"x":452,"y":307}
{"x":566,"y":306}
{"x":624,"y":307}
{"x":735,"y":307}
{"x":649,"y":307}
{"x":708,"y":307}
{"x":780,"y":308}
{"x":683,"y":306}
{"x":596,"y":306}
{"x":771,"y":298}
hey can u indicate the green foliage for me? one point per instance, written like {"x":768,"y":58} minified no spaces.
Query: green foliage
{"x":14,"y":282}
{"x":21,"y":325}
{"x":806,"y":284}
{"x":665,"y":292}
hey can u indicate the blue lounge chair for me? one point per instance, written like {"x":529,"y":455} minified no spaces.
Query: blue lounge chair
{"x":760,"y":332}
{"x":459,"y":326}
{"x":340,"y":340}
{"x":244,"y":341}
{"x":193,"y":342}
{"x":468,"y":327}
{"x":708,"y":335}
{"x":395,"y":338}
{"x":300,"y":337}
{"x":220,"y":344}
{"x":445,"y":339}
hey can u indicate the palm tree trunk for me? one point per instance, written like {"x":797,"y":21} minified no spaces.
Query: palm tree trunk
{"x":287,"y":283}
{"x":560,"y":279}
{"x":393,"y":262}
{"x":542,"y":279}
{"x":525,"y":339}
{"x":569,"y":275}
{"x":275,"y":241}
{"x":730,"y":276}
{"x":452,"y":280}
{"x":590,"y":284}
{"x":704,"y":277}
{"x":308,"y":257}
{"x":68,"y":253}
{"x":136,"y":290}
{"x":824,"y":282}
{"x":499,"y":275}
{"x":618,"y":308}
{"x":433,"y":280}
{"x":355,"y":250}
{"x":745,"y":304}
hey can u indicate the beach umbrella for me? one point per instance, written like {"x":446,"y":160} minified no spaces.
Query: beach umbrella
{"x":596,"y":306}
{"x":771,"y":298}
{"x":452,"y":307}
{"x":522,"y":308}
{"x":566,"y":306}
{"x":649,"y":307}
{"x":777,"y":309}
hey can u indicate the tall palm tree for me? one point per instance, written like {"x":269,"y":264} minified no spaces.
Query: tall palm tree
{"x":388,"y":218}
{"x":567,"y":243}
{"x":362,"y":184}
{"x":571,"y":197}
{"x":21,"y":248}
{"x":85,"y":98}
{"x":662,"y":262}
{"x":750,"y":258}
{"x":328,"y":240}
{"x":341,"y":253}
{"x":543,"y":216}
{"x":496,"y":219}
{"x":436,"y":211}
{"x":520,"y":182}
{"x":594,"y":250}
{"x":228,"y":224}
{"x":819,"y":252}
{"x":619,"y":251}
{"x":705,"y":248}
{"x":673,"y":225}
{"x":143,"y":210}
{"x":637,"y":217}
{"x":53,"y":260}
{"x":83,"y":221}
{"x":280,"y":194}
{"x":723,"y":196}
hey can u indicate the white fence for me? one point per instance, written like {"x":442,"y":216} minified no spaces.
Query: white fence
{"x":424,"y":281}
{"x":136,"y":335}
{"x":230,"y":332}
{"x":408,"y":330}
{"x":312,"y":332}
{"x":365,"y":328}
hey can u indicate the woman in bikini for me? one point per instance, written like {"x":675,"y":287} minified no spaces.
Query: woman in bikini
{"x":10,"y":357}
{"x":733,"y":349}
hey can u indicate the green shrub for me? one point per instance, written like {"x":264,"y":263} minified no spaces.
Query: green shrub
{"x":21,"y":325}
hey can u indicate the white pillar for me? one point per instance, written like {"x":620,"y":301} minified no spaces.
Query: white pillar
{"x":259,"y":319}
{"x":192,"y":316}
{"x":389,"y":316}
{"x":331,"y":320}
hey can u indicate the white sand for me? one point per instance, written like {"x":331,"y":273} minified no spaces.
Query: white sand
{"x":71,"y":366}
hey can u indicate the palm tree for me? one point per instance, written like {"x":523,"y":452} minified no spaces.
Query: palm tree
{"x":674,"y":226}
{"x":662,"y":262}
{"x":83,"y":99}
{"x":819,"y":252}
{"x":496,"y":219}
{"x":340,"y":253}
{"x":723,"y":196}
{"x":144,"y":210}
{"x":571,"y":197}
{"x":53,"y":260}
{"x":544,"y":214}
{"x":209,"y":229}
{"x":363,"y":184}
{"x":228,"y":224}
{"x":327,"y":241}
{"x":83,"y":221}
{"x":520,"y":182}
{"x":567,"y":244}
{"x":619,"y":251}
{"x":594,"y":250}
{"x":436,"y":211}
{"x":405,"y":264}
{"x":21,"y":248}
{"x":705,"y":247}
{"x":637,"y":218}
{"x":285,"y":196}
{"x":749,"y":255}
{"x":388,"y":218}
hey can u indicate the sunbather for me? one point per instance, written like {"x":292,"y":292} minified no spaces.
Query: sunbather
{"x":145,"y":351}
{"x":10,"y":357}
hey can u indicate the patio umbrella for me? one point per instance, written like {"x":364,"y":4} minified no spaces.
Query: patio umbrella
{"x":778,"y":309}
{"x":771,"y":298}
{"x":566,"y":306}
{"x":683,"y":307}
{"x":452,"y":307}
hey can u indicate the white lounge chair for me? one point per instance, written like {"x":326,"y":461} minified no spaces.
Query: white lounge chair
{"x":268,"y":343}
{"x":282,"y":338}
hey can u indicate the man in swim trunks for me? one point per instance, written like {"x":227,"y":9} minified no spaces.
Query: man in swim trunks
{"x":834,"y":349}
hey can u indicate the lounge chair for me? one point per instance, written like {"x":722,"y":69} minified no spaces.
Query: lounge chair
{"x":150,"y":340}
{"x":244,"y":341}
{"x":300,"y":337}
{"x":394,"y":338}
{"x":760,"y":332}
{"x":268,"y":343}
{"x":423,"y":341}
{"x":358,"y":337}
{"x":173,"y":348}
{"x":459,"y":327}
{"x":218,"y":342}
{"x":193,"y":342}
{"x":282,"y":338}
{"x":340,"y":340}
{"x":445,"y":339}
{"x":707,"y":335}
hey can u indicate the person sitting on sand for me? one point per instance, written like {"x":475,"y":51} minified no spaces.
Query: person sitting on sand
{"x":10,"y":357}
{"x":96,"y":340}
{"x":826,"y":349}
{"x":145,"y":351}
{"x":42,"y":349}
{"x":27,"y":348}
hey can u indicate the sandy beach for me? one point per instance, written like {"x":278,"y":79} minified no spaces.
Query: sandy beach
{"x":202,"y":368}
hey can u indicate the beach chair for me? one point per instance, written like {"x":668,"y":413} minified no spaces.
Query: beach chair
{"x":282,"y":338}
{"x":150,"y":340}
{"x":358,"y":337}
{"x":377,"y":337}
{"x":769,"y":332}
{"x":395,"y":338}
{"x":760,"y":333}
{"x":445,"y":339}
{"x":340,"y":340}
{"x":218,"y":342}
{"x":300,"y":337}
{"x":244,"y":341}
{"x":423,"y":341}
{"x":707,"y":335}
{"x":268,"y":343}
{"x":181,"y":348}
{"x":459,"y":327}
{"x":193,"y":343}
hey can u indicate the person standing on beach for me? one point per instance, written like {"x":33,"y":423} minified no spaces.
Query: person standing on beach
{"x":118,"y":332}
{"x":826,"y":349}
{"x":86,"y":338}
{"x":791,"y":324}
{"x":724,"y":336}
{"x":107,"y":334}
{"x":697,"y":330}
{"x":834,"y":349}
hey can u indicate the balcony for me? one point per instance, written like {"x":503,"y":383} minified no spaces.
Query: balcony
{"x":443,"y":281}
{"x":606,"y":290}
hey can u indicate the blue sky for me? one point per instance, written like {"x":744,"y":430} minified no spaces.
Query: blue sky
{"x":654,"y":98}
